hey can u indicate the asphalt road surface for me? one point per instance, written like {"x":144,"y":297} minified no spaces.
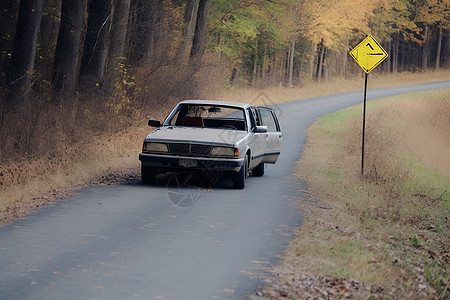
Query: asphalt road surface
{"x":131,"y":241}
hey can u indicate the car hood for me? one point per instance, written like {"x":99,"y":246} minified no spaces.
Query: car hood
{"x":210,"y":136}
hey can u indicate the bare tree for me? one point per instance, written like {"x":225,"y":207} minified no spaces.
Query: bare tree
{"x":96,"y":43}
{"x":425,"y":49}
{"x":438,"y":49}
{"x":68,"y":46}
{"x":190,"y":15}
{"x":143,"y":32}
{"x":121,"y":11}
{"x":20,"y":70}
{"x":9,"y":10}
{"x":199,"y":41}
{"x":320,"y":60}
{"x":291,"y":62}
{"x":396,"y":48}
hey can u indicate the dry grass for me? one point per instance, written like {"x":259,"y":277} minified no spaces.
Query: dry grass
{"x":389,"y":228}
{"x":34,"y":179}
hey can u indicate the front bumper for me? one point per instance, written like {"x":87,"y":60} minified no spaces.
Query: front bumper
{"x":191,"y":163}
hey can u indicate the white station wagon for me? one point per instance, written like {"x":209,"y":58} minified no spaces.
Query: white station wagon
{"x":212,"y":137}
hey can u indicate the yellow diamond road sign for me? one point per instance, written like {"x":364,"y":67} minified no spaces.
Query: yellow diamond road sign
{"x":368,"y":54}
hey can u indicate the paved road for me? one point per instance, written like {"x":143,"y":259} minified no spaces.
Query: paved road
{"x":130,"y":242}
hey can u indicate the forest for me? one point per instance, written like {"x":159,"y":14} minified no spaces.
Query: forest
{"x":100,"y":63}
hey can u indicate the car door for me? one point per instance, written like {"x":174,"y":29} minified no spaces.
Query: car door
{"x":257,"y":142}
{"x":273,"y":136}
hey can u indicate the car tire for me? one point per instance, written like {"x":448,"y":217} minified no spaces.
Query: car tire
{"x":148,"y":175}
{"x":238,"y":178}
{"x":259,"y":170}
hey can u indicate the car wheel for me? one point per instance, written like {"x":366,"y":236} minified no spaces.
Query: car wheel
{"x":238,"y":178}
{"x":259,"y":170}
{"x":148,"y":175}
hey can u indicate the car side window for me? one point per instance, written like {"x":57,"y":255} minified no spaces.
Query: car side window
{"x":179,"y":116}
{"x":251,"y":115}
{"x":255,"y":115}
{"x":268,"y":120}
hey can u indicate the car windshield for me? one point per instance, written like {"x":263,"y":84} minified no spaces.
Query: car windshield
{"x":209,"y":116}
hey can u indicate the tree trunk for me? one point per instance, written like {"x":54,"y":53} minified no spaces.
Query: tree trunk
{"x":68,"y":46}
{"x":236,"y":74}
{"x":9,"y":9}
{"x":312,"y":60}
{"x":395,"y":56}
{"x":274,"y":70}
{"x":255,"y":64}
{"x":263,"y":70}
{"x":143,"y":30}
{"x":47,"y":40}
{"x":23,"y":57}
{"x":291,"y":62}
{"x":119,"y":26}
{"x":425,"y":50}
{"x":140,"y":42}
{"x":402,"y":55}
{"x":95,"y":51}
{"x":190,"y":16}
{"x":438,"y":50}
{"x":299,"y":69}
{"x":446,"y":54}
{"x":345,"y":59}
{"x":199,"y":41}
{"x":298,"y":72}
{"x":320,"y":61}
{"x":387,"y":65}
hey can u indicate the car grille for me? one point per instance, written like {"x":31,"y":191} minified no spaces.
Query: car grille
{"x":189,"y":149}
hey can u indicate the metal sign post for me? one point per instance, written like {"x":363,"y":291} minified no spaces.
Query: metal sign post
{"x":364,"y":124}
{"x":368,"y":54}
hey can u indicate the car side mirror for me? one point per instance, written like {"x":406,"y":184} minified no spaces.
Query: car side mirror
{"x":260,"y":129}
{"x":154,"y":123}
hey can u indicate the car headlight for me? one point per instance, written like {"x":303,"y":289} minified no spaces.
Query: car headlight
{"x":225,"y":151}
{"x":155,"y":147}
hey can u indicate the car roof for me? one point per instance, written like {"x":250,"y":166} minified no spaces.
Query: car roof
{"x":216,"y":102}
